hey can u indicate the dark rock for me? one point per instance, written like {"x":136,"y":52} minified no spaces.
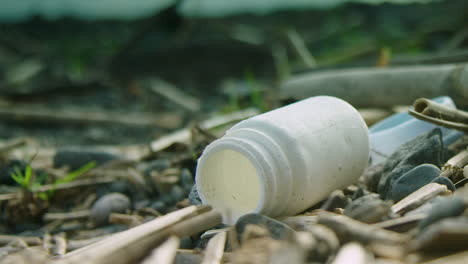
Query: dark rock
{"x":159,"y":206}
{"x":450,"y":234}
{"x":77,"y":158}
{"x":109,"y":203}
{"x":369,"y":209}
{"x":445,"y":181}
{"x":443,"y":208}
{"x":336,"y":199}
{"x":412,"y":180}
{"x":426,"y":148}
{"x":8,"y":168}
{"x":186,"y":243}
{"x":193,"y":197}
{"x":277,"y":229}
{"x":177,"y":193}
{"x":156,"y":165}
{"x":186,"y":179}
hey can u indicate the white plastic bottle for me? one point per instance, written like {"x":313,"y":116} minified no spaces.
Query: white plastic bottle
{"x":284,"y":161}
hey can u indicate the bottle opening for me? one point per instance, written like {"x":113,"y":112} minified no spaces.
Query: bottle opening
{"x":228,"y":181}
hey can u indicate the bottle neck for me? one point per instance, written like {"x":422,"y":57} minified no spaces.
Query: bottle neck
{"x":272,"y":166}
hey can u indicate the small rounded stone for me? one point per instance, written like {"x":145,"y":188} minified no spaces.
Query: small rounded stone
{"x":445,"y":181}
{"x":444,"y":208}
{"x":108,"y":204}
{"x":194,"y":198}
{"x":413,"y":180}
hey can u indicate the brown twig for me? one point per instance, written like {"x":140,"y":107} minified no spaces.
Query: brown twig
{"x":419,"y":197}
{"x":165,"y":253}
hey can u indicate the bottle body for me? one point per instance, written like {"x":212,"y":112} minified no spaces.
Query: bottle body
{"x":284,"y":161}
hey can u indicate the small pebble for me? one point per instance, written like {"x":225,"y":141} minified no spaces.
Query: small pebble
{"x":193,"y":197}
{"x":186,"y":179}
{"x":177,"y":193}
{"x":109,"y":203}
{"x":77,"y":158}
{"x":426,"y":148}
{"x":445,"y":181}
{"x":443,"y":208}
{"x":159,"y":206}
{"x":412,"y":180}
{"x":336,"y":199}
{"x":368,"y":209}
{"x":277,"y":229}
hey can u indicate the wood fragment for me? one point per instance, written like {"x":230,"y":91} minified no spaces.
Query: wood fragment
{"x":300,"y":48}
{"x":130,"y":220}
{"x":175,"y":95}
{"x":15,"y":143}
{"x":130,"y":245}
{"x":66,"y":216}
{"x":184,"y":135}
{"x":348,"y":229}
{"x":79,"y":243}
{"x":363,"y":87}
{"x":401,"y":224}
{"x":419,"y":197}
{"x":430,"y":108}
{"x":352,"y":253}
{"x":166,"y":253}
{"x":75,"y":116}
{"x":60,"y":243}
{"x":30,"y":240}
{"x":215,"y":249}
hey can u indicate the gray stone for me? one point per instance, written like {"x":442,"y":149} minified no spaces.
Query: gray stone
{"x":193,"y":197}
{"x":108,"y":204}
{"x":412,"y":180}
{"x":443,"y":208}
{"x":277,"y":229}
{"x":426,"y":148}
{"x":186,"y":179}
{"x":445,"y":181}
{"x":336,"y":199}
{"x":177,"y":193}
{"x":369,"y":209}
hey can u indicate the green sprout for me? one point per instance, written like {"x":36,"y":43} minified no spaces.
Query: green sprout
{"x":32,"y":184}
{"x":23,"y":179}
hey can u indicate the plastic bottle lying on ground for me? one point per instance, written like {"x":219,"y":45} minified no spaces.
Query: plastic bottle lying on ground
{"x":284,"y":161}
{"x":389,"y":134}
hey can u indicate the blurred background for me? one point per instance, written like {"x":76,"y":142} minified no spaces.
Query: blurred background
{"x":124,"y":72}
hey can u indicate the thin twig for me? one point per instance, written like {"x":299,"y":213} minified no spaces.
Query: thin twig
{"x":215,"y":249}
{"x":165,"y":253}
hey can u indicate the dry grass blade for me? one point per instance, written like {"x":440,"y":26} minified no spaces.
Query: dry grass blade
{"x":215,"y":249}
{"x":419,"y":197}
{"x":165,"y":253}
{"x":131,"y":245}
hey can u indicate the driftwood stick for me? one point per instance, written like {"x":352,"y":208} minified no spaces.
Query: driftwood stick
{"x":419,"y":197}
{"x":30,"y":240}
{"x":348,"y":229}
{"x":382,"y":87}
{"x":215,"y":249}
{"x":19,"y":113}
{"x":165,"y":253}
{"x":132,"y":245}
{"x":430,"y":108}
